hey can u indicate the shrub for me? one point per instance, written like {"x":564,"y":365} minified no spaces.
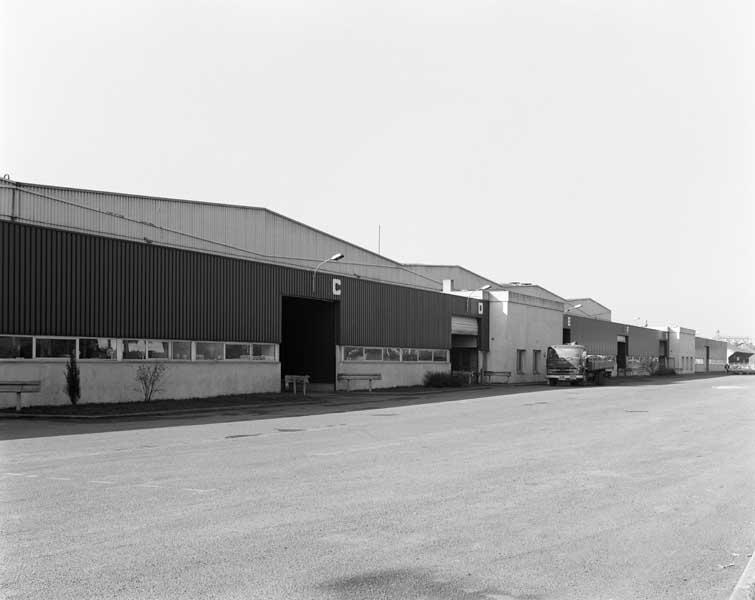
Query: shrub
{"x":73,"y":380}
{"x":149,"y":378}
{"x":664,"y":372}
{"x":443,"y":379}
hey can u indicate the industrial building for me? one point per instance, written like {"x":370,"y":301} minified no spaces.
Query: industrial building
{"x":233,"y":298}
{"x":526,"y":318}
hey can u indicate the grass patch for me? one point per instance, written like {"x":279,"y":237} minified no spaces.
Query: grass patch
{"x":125,"y":408}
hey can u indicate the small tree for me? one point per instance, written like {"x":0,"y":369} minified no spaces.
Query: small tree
{"x":73,"y":379}
{"x":149,"y":378}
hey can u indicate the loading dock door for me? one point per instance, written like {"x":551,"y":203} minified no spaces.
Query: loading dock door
{"x":308,"y":339}
{"x":621,"y":352}
{"x":464,"y":326}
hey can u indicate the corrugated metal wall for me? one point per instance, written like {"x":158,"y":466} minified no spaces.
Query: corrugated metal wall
{"x":600,"y":336}
{"x":55,"y":282}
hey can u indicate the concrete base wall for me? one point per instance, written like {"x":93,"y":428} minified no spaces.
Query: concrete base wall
{"x":681,"y":350}
{"x":103,"y":381}
{"x":394,"y":374}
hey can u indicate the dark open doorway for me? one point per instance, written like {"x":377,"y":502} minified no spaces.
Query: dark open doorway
{"x":464,"y":359}
{"x":662,"y":353}
{"x":621,"y":353}
{"x":308,"y":339}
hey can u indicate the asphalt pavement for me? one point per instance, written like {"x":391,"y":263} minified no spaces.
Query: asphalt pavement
{"x":617,"y":492}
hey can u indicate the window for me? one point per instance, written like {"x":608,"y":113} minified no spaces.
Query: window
{"x":238,"y":351}
{"x":373,"y":354}
{"x":353,"y":353}
{"x":263,"y":351}
{"x":181,"y":351}
{"x":535,"y":362}
{"x":440,"y":355}
{"x":134,"y":349}
{"x":209,"y":351}
{"x":520,"y":358}
{"x":55,"y":348}
{"x":16,"y":347}
{"x":409,"y":354}
{"x":392,"y":354}
{"x":101,"y":348}
{"x":158,"y":349}
{"x":425,"y":355}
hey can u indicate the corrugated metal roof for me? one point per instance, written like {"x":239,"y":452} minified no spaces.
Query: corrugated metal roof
{"x":243,"y":231}
{"x":463,"y":278}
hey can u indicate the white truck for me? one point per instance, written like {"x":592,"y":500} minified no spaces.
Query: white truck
{"x":572,"y":363}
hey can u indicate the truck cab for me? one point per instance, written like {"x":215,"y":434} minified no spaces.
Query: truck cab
{"x":566,"y":362}
{"x":572,"y":363}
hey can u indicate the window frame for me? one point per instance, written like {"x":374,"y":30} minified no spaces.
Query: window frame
{"x":536,"y":355}
{"x":33,"y":346}
{"x":54,"y":337}
{"x":196,"y":350}
{"x":118,"y":347}
{"x":521,"y":359}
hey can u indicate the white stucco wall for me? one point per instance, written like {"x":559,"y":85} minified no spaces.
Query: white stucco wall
{"x":115,"y":381}
{"x":395,"y":374}
{"x":682,"y":349}
{"x":522,"y":322}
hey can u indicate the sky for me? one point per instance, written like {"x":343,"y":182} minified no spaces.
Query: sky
{"x":597,"y":148}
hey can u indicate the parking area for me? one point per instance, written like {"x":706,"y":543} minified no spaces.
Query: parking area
{"x":622,"y":492}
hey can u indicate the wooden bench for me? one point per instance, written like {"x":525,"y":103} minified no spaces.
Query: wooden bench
{"x":294,"y":379}
{"x":490,"y":374}
{"x":19,"y":387}
{"x":347,"y":377}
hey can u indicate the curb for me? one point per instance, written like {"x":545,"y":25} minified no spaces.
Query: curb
{"x":348,"y":398}
{"x":153,"y":413}
{"x":332,"y":399}
{"x":745,"y":588}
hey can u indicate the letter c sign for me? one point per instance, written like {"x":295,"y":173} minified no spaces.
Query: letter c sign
{"x":336,"y":287}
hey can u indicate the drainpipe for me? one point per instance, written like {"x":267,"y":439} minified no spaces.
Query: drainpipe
{"x":13,"y":215}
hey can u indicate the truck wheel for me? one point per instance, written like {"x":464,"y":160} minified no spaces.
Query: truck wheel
{"x":553,"y":382}
{"x":599,"y":378}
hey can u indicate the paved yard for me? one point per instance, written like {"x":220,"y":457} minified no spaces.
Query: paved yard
{"x":627,"y":492}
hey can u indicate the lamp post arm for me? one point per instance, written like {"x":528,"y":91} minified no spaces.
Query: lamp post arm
{"x":314,"y":273}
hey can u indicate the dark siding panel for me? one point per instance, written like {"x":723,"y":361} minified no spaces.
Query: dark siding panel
{"x":643,"y":342}
{"x":5,"y":262}
{"x":600,"y":336}
{"x":66,"y":283}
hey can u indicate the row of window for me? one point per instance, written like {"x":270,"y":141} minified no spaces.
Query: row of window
{"x":125,"y":349}
{"x":355,"y":353}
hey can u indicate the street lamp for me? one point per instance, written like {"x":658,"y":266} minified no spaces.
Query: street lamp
{"x":576,"y":306}
{"x":487,"y":286}
{"x":335,"y":257}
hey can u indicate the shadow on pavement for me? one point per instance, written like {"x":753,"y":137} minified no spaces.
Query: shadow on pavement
{"x":12,"y":427}
{"x":412,"y":583}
